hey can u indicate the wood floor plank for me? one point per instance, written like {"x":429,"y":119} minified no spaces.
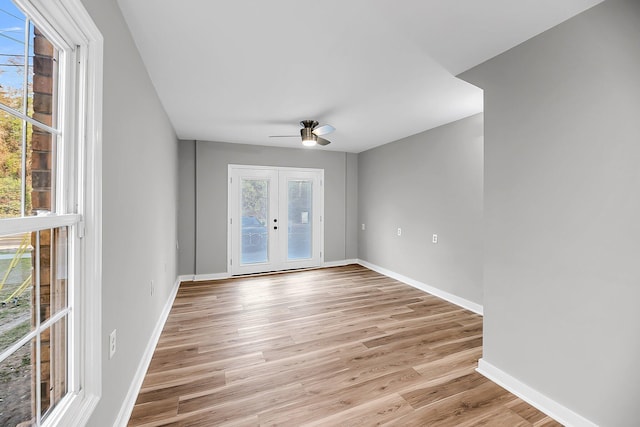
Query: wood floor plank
{"x":233,"y":406}
{"x":451,"y":365}
{"x":466,"y":406}
{"x":294,"y":368}
{"x":428,"y":395}
{"x":320,"y":344}
{"x":193,"y":386}
{"x":323,"y":398}
{"x":500,"y":416}
{"x":371,"y":413}
{"x":335,"y":346}
{"x":160,"y":377}
{"x":145,"y":412}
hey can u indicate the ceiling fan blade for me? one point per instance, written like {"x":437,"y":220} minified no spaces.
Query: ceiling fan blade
{"x":322,"y":141}
{"x":284,"y":136}
{"x":323,"y":130}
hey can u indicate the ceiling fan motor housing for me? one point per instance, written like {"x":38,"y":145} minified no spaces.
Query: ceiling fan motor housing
{"x":311,"y":124}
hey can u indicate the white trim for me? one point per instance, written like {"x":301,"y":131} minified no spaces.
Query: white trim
{"x":340,"y":263}
{"x":91,"y":130}
{"x":68,"y":25}
{"x":560,"y":413}
{"x":464,"y":303}
{"x":127,"y":406}
{"x":186,"y":278}
{"x":278,"y":178}
{"x":282,"y":168}
{"x":73,"y":410}
{"x":214,"y":276}
{"x":36,"y":223}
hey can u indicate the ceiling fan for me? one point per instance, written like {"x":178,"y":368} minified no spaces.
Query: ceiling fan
{"x":311,"y":133}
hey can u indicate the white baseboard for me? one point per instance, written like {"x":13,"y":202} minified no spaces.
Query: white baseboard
{"x":550,"y":407}
{"x":136,"y":383}
{"x":340,"y":263}
{"x":464,"y":303}
{"x":186,"y":278}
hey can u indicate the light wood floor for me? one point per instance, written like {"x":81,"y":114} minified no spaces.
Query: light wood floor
{"x":337,"y":346}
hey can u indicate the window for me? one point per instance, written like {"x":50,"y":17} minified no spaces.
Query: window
{"x":50,"y":227}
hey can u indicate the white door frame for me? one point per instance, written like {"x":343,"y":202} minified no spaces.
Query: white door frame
{"x":278,"y":176}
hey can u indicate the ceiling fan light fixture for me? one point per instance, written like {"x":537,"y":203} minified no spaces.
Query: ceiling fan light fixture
{"x":308,"y":138}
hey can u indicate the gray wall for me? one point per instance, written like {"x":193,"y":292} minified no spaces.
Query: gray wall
{"x":212,"y":160}
{"x":351,"y":229}
{"x":186,"y":207}
{"x":140,"y":175}
{"x":429,"y":183}
{"x":562,"y":212}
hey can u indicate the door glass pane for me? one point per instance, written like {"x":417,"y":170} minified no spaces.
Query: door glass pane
{"x":300,"y":223}
{"x":255,"y":207}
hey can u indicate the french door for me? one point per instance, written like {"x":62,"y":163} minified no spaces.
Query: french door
{"x":275,"y":219}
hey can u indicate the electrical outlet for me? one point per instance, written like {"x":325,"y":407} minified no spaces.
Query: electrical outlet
{"x":399,"y":231}
{"x":112,"y":344}
{"x":363,"y":227}
{"x":434,"y":239}
{"x":152,"y":288}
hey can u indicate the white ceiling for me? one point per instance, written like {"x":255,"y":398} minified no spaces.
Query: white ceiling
{"x":377,"y":70}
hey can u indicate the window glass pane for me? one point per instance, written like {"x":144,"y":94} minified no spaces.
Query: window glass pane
{"x":255,"y":217}
{"x":53,"y":272}
{"x":34,"y":193}
{"x":43,"y":67}
{"x":28,"y":72}
{"x":16,"y":289}
{"x":40,"y":179}
{"x":16,"y":382}
{"x":300,"y":223}
{"x":14,"y":192}
{"x":12,"y":56}
{"x":53,"y":367}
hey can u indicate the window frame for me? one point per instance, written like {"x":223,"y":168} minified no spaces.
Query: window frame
{"x":78,"y":195}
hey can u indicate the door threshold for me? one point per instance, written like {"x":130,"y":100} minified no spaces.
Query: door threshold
{"x":270,"y":273}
